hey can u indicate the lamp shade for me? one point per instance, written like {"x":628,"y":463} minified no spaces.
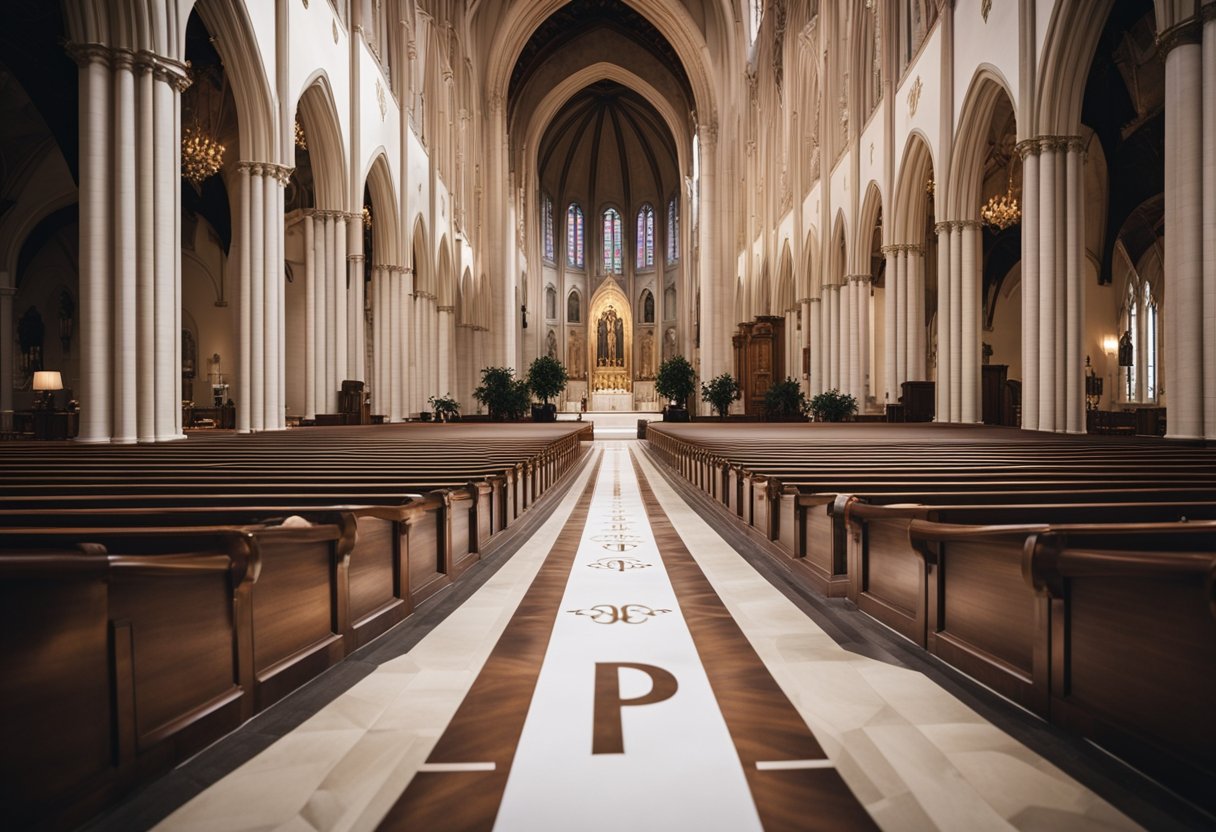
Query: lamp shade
{"x":47,"y":380}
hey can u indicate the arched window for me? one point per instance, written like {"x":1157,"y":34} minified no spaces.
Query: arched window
{"x":575,"y":234}
{"x":646,"y":237}
{"x":1150,"y":344}
{"x":1132,"y":320}
{"x":574,"y":308}
{"x":614,"y":262}
{"x":673,"y":231}
{"x":647,"y":307}
{"x":755,"y":13}
{"x":546,"y":219}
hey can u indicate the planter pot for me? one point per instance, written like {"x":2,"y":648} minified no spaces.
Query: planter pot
{"x":544,"y":413}
{"x":425,"y":415}
{"x":675,"y":414}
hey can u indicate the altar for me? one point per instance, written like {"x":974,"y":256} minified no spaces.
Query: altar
{"x":610,"y":401}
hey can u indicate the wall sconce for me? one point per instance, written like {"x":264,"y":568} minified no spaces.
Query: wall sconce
{"x":1110,"y":344}
{"x":46,"y":382}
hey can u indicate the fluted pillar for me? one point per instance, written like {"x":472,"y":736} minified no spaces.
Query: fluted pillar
{"x":890,"y":327}
{"x":1074,"y":394}
{"x":956,"y":322}
{"x":1048,"y":277}
{"x":256,"y":310}
{"x":970,"y":331}
{"x":945,"y":340}
{"x":817,"y":346}
{"x":901,"y":316}
{"x":848,"y":344}
{"x":356,"y":330}
{"x":396,"y":343}
{"x":914,"y":320}
{"x":1029,"y":151}
{"x":341,"y":293}
{"x":1186,"y":351}
{"x":444,"y":363}
{"x":832,"y":332}
{"x":272,"y":287}
{"x":321,"y":267}
{"x":126,"y":252}
{"x":310,"y":316}
{"x":1209,"y":220}
{"x":863,"y":339}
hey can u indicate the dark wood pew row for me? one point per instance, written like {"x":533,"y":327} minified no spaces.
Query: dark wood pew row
{"x":793,"y":507}
{"x":1106,"y":630}
{"x":340,"y":559}
{"x":123,"y":656}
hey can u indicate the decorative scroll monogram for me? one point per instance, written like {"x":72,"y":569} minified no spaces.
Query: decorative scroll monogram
{"x":380,"y":99}
{"x":914,"y":96}
{"x":619,"y":564}
{"x":624,"y":614}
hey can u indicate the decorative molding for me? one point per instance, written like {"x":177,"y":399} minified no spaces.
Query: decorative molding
{"x":335,"y":25}
{"x":1188,"y":32}
{"x":942,"y":227}
{"x":1027,"y":147}
{"x":380,"y":102}
{"x":914,"y":96}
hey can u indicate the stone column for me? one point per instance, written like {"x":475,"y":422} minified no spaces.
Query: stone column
{"x":890,"y":357}
{"x":330,"y":394}
{"x":244,"y":384}
{"x":914,"y":320}
{"x":956,"y":321}
{"x":1029,"y":151}
{"x":863,"y":338}
{"x":146,"y":280}
{"x":396,"y":343}
{"x":1075,"y":288}
{"x":271,"y":287}
{"x":901,"y":316}
{"x":275,"y":219}
{"x":1209,"y":220}
{"x":715,"y":342}
{"x":1184,"y":220}
{"x":126,"y":253}
{"x":310,"y":317}
{"x":321,"y":260}
{"x":341,"y":296}
{"x":168,"y":250}
{"x":945,"y":339}
{"x":444,"y":365}
{"x":831,"y":334}
{"x":256,"y":310}
{"x":970,"y":343}
{"x":817,"y":346}
{"x":1048,"y":277}
{"x":356,"y":334}
{"x":96,"y":289}
{"x":847,"y":335}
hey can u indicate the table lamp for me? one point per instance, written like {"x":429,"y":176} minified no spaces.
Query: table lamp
{"x":46,"y":382}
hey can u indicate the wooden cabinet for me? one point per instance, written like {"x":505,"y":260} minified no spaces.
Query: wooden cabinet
{"x":759,"y":359}
{"x":918,"y":401}
{"x":992,"y":388}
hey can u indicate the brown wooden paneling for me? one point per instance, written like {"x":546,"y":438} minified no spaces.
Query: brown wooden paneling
{"x":987,"y":603}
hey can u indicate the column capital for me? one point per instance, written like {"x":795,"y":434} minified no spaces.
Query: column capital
{"x":965,"y":224}
{"x":448,"y":309}
{"x":708,"y":132}
{"x":172,"y":72}
{"x":122,"y":59}
{"x":806,"y":300}
{"x":942,"y":227}
{"x":1189,"y":31}
{"x":816,"y":300}
{"x":891,"y":249}
{"x":1076,"y":144}
{"x":89,"y":53}
{"x":1027,"y":147}
{"x":355,"y":258}
{"x":913,"y":248}
{"x":858,"y":278}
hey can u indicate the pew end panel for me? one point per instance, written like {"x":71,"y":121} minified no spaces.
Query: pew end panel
{"x":824,"y":552}
{"x":1134,"y":646}
{"x":888,"y":577}
{"x":982,"y":616}
{"x":379,"y":597}
{"x":423,"y":543}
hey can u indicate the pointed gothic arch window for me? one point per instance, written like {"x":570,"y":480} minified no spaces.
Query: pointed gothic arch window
{"x":1132,"y":332}
{"x":646,"y":237}
{"x":575,"y":234}
{"x":1150,"y":344}
{"x":614,"y":262}
{"x":547,"y":226}
{"x":574,"y":308}
{"x":647,"y":304}
{"x":673,"y":230}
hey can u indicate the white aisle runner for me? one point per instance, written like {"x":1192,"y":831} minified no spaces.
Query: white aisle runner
{"x":679,"y":768}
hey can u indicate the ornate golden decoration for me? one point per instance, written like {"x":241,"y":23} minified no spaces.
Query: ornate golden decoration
{"x":619,"y":564}
{"x":624,"y":614}
{"x":301,"y":142}
{"x":202,"y":154}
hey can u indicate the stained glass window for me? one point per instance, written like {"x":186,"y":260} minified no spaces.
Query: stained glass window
{"x":547,"y":225}
{"x":646,"y":237}
{"x":574,"y":236}
{"x":1150,"y":344}
{"x":614,"y":263}
{"x":673,"y":231}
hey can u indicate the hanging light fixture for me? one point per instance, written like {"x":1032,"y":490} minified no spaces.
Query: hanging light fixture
{"x":367,"y":216}
{"x":1002,"y":210}
{"x":202,"y":153}
{"x":301,"y":142}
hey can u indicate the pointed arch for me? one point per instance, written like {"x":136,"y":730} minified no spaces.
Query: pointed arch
{"x":871,"y":214}
{"x":386,"y":246}
{"x":420,"y":257}
{"x":911,"y":198}
{"x":838,"y":252}
{"x":786,"y":298}
{"x":811,"y":281}
{"x":442,"y":286}
{"x":319,"y":117}
{"x":967,"y":165}
{"x":762,"y":293}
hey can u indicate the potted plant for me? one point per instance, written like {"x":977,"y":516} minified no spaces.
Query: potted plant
{"x":446,"y":408}
{"x":675,"y":382}
{"x":785,"y":401}
{"x":833,"y":406}
{"x":547,"y":379}
{"x":720,"y":392}
{"x":505,"y":396}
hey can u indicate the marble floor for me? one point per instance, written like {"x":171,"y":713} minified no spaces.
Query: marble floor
{"x":626,"y":668}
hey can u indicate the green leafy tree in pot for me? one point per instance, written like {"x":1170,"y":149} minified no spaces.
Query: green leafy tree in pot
{"x":720,"y":392}
{"x":785,"y":400}
{"x":547,"y":378}
{"x":833,"y":406}
{"x":676,"y":381}
{"x":505,"y":396}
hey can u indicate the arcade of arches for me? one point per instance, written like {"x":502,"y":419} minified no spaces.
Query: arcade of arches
{"x":982,"y":196}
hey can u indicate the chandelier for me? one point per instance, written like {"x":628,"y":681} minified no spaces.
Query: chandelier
{"x":301,"y":142}
{"x":367,"y":217}
{"x":202,"y":155}
{"x":1001,"y":210}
